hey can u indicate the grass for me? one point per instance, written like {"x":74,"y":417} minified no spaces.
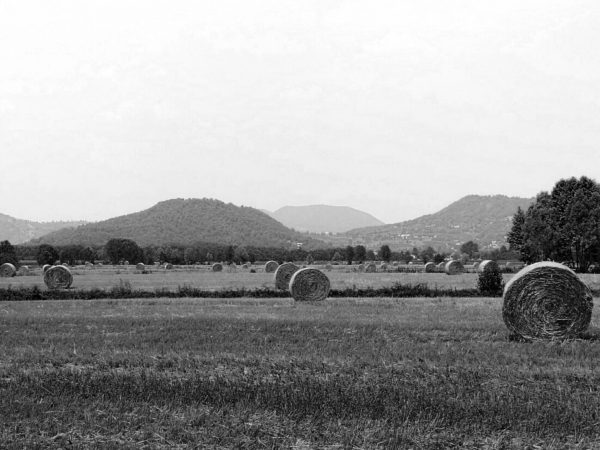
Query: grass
{"x":270,"y":373}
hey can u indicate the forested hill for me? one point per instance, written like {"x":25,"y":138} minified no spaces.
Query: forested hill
{"x":17,"y":231}
{"x":480,"y":218}
{"x":186,"y":221}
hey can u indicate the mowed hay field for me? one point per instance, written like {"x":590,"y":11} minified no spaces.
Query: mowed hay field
{"x":247,"y":373}
{"x":106,"y":277}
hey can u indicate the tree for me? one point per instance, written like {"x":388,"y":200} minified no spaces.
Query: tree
{"x":119,"y":249}
{"x":46,"y":254}
{"x":337,"y":256}
{"x":427,"y":254}
{"x":8,"y":253}
{"x":469,"y":248}
{"x":563,"y":225}
{"x":370,"y":255}
{"x":360,"y":253}
{"x":240,"y":255}
{"x":385,"y":253}
{"x":349,"y":254}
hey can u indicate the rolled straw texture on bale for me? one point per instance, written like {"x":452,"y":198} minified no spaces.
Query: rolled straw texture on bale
{"x":309,"y":285}
{"x":383,"y":267}
{"x":58,"y":277}
{"x":429,"y":267}
{"x":361,"y":267}
{"x":371,"y":267}
{"x":45,"y":267}
{"x":7,"y":270}
{"x":486,"y":265}
{"x":140,"y":266}
{"x":271,"y":266}
{"x":168,"y":266}
{"x":283,"y":275}
{"x":547,"y":300}
{"x":453,"y":268}
{"x":217,"y":267}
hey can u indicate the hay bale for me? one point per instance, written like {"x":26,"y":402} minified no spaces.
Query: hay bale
{"x":328,"y":267}
{"x":453,"y":267}
{"x":309,"y":285}
{"x":429,"y":267}
{"x":283,"y":275}
{"x":383,"y":267}
{"x":547,"y":300}
{"x":271,"y":266}
{"x":58,"y":277}
{"x":140,"y":266}
{"x":476,"y":265}
{"x":23,"y":270}
{"x":488,"y":265}
{"x":361,"y":267}
{"x":7,"y":270}
{"x":370,"y":268}
{"x":45,"y":267}
{"x":168,"y":266}
{"x":232,"y":268}
{"x":217,"y":267}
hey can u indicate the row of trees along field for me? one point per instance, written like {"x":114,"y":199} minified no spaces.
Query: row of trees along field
{"x":119,"y":250}
{"x":562,"y":225}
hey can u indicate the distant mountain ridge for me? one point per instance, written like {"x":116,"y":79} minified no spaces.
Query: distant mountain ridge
{"x":185,"y":222}
{"x":324,"y":218}
{"x":483,"y":219}
{"x":17,"y":231}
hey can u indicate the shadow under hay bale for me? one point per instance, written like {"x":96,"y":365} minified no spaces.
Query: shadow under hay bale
{"x":58,"y":277}
{"x":547,"y":300}
{"x":7,"y":270}
{"x":271,"y":266}
{"x":283,"y":275}
{"x":309,"y":285}
{"x":453,"y":268}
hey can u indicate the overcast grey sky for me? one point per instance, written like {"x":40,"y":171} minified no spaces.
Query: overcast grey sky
{"x":397,"y":108}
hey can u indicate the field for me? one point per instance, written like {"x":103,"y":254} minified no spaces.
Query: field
{"x":271,"y":373}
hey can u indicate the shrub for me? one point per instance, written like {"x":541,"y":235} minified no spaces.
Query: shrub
{"x":490,"y":282}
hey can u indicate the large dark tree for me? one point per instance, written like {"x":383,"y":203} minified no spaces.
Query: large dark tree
{"x":563,"y":225}
{"x":46,"y":255}
{"x":8,"y":253}
{"x":349,"y":254}
{"x":118,"y":250}
{"x":385,"y":253}
{"x":469,"y":248}
{"x":360,"y":253}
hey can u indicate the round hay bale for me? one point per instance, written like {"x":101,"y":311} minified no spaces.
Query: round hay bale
{"x":328,"y":267}
{"x":140,"y":266}
{"x":58,"y":277}
{"x":23,"y":270}
{"x":245,"y":266}
{"x":547,"y":300}
{"x":429,"y":267}
{"x":309,"y":285}
{"x":7,"y":270}
{"x":169,"y":266}
{"x":232,"y":267}
{"x":125,"y":263}
{"x":370,"y":268}
{"x":488,"y":264}
{"x":271,"y":266}
{"x":283,"y":275}
{"x":217,"y":267}
{"x":441,"y":266}
{"x":453,"y":267}
{"x":361,"y":267}
{"x":476,"y":265}
{"x":45,"y":267}
{"x":383,"y":267}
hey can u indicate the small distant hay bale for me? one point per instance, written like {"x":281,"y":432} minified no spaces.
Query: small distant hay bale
{"x":361,"y":267}
{"x":58,"y":277}
{"x":140,"y":266}
{"x":232,"y":267}
{"x":7,"y":270}
{"x":370,"y":268}
{"x":429,"y":267}
{"x":45,"y":267}
{"x":476,"y":265}
{"x":217,"y":267}
{"x":271,"y":266}
{"x":168,"y":266}
{"x":245,"y":266}
{"x":283,"y":275}
{"x":23,"y":270}
{"x":441,"y":266}
{"x":125,"y":263}
{"x":383,"y":267}
{"x":487,"y":265}
{"x":309,"y":285}
{"x":547,"y":300}
{"x":328,"y":267}
{"x":453,"y":267}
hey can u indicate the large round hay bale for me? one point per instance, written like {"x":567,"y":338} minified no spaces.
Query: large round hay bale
{"x":271,"y":266}
{"x":217,"y":267}
{"x":7,"y":270}
{"x":547,"y":300}
{"x":429,"y":267}
{"x":309,"y":285}
{"x":140,"y":266}
{"x":283,"y":275}
{"x":453,"y":267}
{"x":58,"y":277}
{"x":45,"y":267}
{"x":371,"y":267}
{"x":487,"y":265}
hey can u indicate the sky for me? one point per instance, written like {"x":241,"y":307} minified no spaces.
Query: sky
{"x":397,"y":108}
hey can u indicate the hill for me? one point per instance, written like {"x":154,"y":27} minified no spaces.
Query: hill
{"x":483,"y":219}
{"x":184,"y":222}
{"x":324,"y":218}
{"x":18,"y":231}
